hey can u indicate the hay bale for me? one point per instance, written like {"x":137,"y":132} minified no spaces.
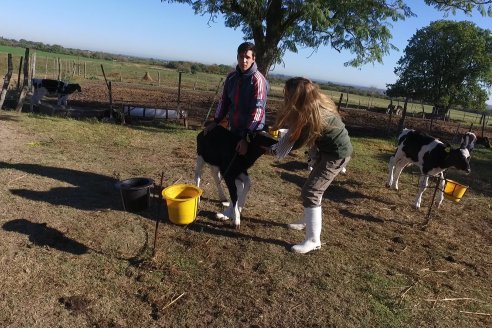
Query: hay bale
{"x":147,"y":77}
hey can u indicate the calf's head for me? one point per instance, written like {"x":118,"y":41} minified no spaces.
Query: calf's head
{"x":468,"y":141}
{"x":460,"y":159}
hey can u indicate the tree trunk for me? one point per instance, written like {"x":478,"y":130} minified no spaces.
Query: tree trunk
{"x":264,"y":62}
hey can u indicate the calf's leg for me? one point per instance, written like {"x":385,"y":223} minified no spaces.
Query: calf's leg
{"x":243,"y":184}
{"x":442,"y":182}
{"x":399,"y":166}
{"x":234,"y":213}
{"x":199,"y":169}
{"x":217,"y":177}
{"x":424,"y":179}
{"x":391,"y":169}
{"x":231,"y":212}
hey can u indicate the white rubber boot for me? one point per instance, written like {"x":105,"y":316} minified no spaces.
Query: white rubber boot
{"x":299,"y":225}
{"x":312,"y":218}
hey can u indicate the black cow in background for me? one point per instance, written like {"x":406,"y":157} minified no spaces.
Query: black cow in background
{"x":53,"y":88}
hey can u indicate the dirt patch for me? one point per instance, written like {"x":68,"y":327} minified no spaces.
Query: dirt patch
{"x":95,"y":98}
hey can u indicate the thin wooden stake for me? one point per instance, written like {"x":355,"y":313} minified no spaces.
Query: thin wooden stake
{"x":177,"y":298}
{"x":476,"y":313}
{"x":158,"y":213}
{"x":452,"y":299}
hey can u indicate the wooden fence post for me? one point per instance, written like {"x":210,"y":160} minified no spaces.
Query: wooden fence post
{"x":483,"y":122}
{"x":179,"y":88}
{"x":340,"y":101}
{"x":178,"y":109}
{"x":33,"y":65}
{"x":19,"y":74}
{"x":110,"y":91}
{"x":25,"y":86}
{"x":59,"y":66}
{"x":401,"y":122}
{"x":213,"y":101}
{"x":6,"y":80}
{"x":46,"y":68}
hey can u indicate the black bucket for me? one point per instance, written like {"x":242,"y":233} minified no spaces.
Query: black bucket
{"x":135,"y":193}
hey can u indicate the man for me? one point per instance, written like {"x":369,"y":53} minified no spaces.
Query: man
{"x":243,"y":98}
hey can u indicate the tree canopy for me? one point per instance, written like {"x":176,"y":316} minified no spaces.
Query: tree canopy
{"x":446,"y":64}
{"x":466,"y":6}
{"x":360,"y":26}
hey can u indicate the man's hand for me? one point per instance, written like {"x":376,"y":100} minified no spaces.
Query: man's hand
{"x":242,"y":147}
{"x":209,"y":128}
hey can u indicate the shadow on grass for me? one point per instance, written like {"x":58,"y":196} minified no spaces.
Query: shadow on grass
{"x":336,"y":192}
{"x":226,"y":230}
{"x":361,"y":217}
{"x":88,"y":191}
{"x":292,"y":166}
{"x":7,"y":117}
{"x":42,"y":235}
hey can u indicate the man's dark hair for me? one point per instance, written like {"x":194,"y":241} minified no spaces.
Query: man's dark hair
{"x":245,"y":46}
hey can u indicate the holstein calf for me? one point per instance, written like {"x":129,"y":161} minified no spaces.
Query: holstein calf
{"x":218,"y":149}
{"x":392,"y":109}
{"x":52,"y":88}
{"x":430,"y":155}
{"x":468,"y":141}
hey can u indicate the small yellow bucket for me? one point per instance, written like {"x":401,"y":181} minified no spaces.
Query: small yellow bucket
{"x":182,"y":202}
{"x":454,"y":190}
{"x":273,"y":133}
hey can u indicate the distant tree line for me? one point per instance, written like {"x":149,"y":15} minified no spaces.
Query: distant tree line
{"x":184,"y":66}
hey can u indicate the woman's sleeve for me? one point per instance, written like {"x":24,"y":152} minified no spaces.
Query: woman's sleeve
{"x":283,"y":147}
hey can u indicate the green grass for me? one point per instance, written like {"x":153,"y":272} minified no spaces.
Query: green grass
{"x":226,"y":277}
{"x":370,"y":153}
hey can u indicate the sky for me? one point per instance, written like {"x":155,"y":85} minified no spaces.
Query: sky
{"x":173,"y":32}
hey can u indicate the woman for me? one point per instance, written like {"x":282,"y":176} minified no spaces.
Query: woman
{"x":313,"y":120}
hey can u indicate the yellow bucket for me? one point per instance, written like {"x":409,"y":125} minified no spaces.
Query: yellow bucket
{"x":454,"y":190}
{"x":182,"y":202}
{"x":273,"y":133}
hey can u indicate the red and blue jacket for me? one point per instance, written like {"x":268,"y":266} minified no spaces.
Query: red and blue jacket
{"x":243,"y":101}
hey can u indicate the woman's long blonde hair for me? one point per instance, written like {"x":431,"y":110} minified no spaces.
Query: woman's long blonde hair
{"x":304,"y":108}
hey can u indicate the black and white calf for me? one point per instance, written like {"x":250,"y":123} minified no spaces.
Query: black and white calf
{"x":200,"y":163}
{"x":468,"y":141}
{"x":218,"y":149}
{"x":53,"y":88}
{"x":392,"y":109}
{"x":430,"y":155}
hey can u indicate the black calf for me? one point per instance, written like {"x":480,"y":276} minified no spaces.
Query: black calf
{"x":218,"y":148}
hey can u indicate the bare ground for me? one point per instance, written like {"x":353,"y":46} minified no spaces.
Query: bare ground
{"x":71,"y":257}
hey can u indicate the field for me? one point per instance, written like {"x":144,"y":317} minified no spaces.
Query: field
{"x":78,"y":69}
{"x":71,"y":257}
